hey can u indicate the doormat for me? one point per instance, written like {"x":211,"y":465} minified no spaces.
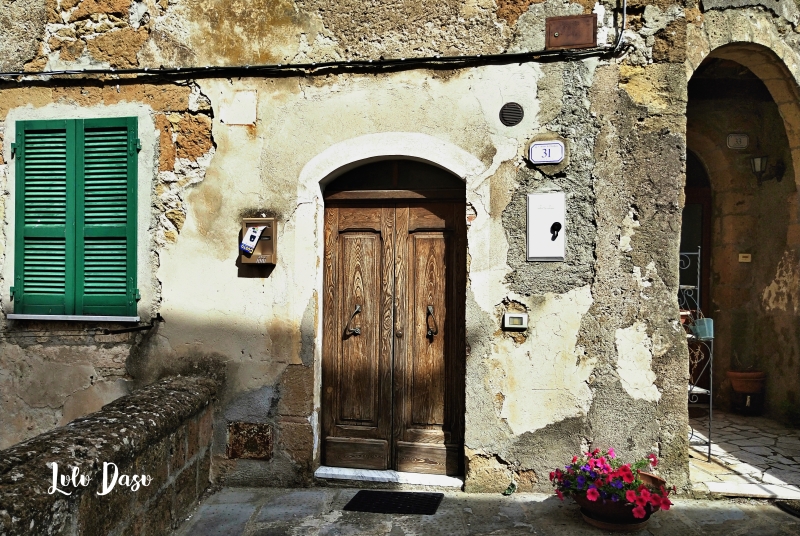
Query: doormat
{"x":395,"y":502}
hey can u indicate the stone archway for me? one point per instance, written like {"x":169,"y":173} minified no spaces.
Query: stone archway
{"x":753,"y":303}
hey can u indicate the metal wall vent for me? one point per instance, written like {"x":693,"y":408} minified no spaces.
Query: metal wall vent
{"x":511,"y":114}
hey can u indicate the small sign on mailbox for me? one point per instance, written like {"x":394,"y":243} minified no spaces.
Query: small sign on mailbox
{"x":546,"y":152}
{"x":547,"y":227}
{"x":263,"y":235}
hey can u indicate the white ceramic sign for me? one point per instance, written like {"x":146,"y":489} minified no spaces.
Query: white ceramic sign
{"x":738,"y":141}
{"x":547,"y":227}
{"x":546,"y":152}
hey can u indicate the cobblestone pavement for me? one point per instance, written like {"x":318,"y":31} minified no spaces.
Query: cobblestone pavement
{"x":750,"y":457}
{"x":318,"y":511}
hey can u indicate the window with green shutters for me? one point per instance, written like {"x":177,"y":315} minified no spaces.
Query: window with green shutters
{"x":75,"y":235}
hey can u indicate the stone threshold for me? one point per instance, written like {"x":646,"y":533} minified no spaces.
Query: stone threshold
{"x":753,"y":491}
{"x":398,"y":477}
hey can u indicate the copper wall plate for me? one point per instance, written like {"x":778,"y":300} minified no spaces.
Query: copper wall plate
{"x":575,"y":31}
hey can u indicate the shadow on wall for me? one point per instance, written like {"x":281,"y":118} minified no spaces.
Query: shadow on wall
{"x":273,"y":388}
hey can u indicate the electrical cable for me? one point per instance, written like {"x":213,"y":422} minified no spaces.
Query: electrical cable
{"x":315,"y":68}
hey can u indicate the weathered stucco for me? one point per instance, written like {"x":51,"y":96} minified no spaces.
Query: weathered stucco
{"x":604,"y":362}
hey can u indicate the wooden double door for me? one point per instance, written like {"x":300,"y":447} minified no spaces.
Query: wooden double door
{"x":393,"y":336}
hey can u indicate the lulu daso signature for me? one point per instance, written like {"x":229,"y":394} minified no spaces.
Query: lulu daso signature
{"x":111,"y":478}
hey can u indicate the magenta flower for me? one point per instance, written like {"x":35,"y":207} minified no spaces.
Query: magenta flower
{"x":592,"y":494}
{"x":639,"y":512}
{"x":611,"y":453}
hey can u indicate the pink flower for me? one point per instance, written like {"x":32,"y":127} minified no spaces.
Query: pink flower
{"x":630,"y":496}
{"x":665,"y":503}
{"x":552,"y":476}
{"x":641,"y":501}
{"x":638,"y":512}
{"x":655,"y":499}
{"x":574,"y":459}
{"x":645,"y":494}
{"x":592,"y":494}
{"x":560,"y":495}
{"x":653,"y":459}
{"x":611,"y":453}
{"x":627,"y":476}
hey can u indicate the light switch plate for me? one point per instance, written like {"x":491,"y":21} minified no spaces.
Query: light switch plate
{"x":745,"y":257}
{"x":515,"y":321}
{"x":547,"y":227}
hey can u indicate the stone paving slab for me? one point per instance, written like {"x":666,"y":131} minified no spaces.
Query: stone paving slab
{"x":318,"y":512}
{"x":751,"y":457}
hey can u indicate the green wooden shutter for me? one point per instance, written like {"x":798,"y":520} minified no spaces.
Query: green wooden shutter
{"x":106,"y":217}
{"x":44,"y":232}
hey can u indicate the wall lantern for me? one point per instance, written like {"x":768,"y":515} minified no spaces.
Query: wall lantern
{"x":758,"y":164}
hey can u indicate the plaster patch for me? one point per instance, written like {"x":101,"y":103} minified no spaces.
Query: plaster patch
{"x":783,"y":292}
{"x":544,"y":380}
{"x":634,"y":360}
{"x":629,"y":224}
{"x":241,"y":110}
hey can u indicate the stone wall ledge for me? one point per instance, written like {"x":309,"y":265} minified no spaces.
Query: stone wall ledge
{"x":163,"y":430}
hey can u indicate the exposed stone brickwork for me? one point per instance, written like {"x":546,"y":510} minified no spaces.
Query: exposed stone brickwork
{"x":163,"y":431}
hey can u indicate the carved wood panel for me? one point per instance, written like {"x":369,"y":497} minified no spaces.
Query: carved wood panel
{"x":393,"y":394}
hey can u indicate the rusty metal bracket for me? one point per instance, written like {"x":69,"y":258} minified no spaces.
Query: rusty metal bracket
{"x":142,"y":327}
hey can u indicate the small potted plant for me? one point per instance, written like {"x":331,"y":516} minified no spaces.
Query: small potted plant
{"x":612,"y":495}
{"x":748,"y":386}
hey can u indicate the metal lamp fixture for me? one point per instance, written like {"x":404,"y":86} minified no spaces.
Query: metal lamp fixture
{"x":758,"y":164}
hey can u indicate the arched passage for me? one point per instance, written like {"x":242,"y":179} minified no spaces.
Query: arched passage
{"x":744,"y":89}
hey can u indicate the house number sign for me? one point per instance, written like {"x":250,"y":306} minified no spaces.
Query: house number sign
{"x":738,"y":141}
{"x":546,"y":152}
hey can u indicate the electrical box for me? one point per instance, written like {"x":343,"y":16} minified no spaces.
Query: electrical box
{"x":515,"y":321}
{"x":265,"y":246}
{"x":547,"y":227}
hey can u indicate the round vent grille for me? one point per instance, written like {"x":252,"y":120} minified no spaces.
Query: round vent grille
{"x":511,"y":114}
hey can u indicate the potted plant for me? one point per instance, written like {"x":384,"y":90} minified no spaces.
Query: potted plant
{"x":612,"y":495}
{"x":748,"y":387}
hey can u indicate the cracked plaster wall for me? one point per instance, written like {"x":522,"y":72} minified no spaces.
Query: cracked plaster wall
{"x":602,"y":316}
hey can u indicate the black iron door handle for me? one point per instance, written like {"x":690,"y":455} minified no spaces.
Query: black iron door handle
{"x":435,"y":330}
{"x":352,"y":331}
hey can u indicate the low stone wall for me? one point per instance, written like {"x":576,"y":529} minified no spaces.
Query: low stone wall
{"x":159,"y":435}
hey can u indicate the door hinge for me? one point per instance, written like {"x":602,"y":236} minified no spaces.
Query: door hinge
{"x":138,"y":296}
{"x":136,"y":145}
{"x":13,"y":149}
{"x":12,"y":293}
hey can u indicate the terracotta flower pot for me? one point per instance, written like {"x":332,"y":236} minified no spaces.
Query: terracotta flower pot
{"x":747,"y":382}
{"x":616,"y":515}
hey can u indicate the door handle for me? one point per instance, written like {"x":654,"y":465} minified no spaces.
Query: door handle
{"x":352,"y":331}
{"x":435,"y":330}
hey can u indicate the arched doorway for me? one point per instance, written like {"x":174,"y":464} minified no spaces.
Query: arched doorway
{"x":393,"y":313}
{"x":732,"y":117}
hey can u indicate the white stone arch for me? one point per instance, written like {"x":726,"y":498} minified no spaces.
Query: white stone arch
{"x":351,"y":153}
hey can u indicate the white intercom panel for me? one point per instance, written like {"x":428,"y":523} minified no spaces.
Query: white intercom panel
{"x":547,"y":226}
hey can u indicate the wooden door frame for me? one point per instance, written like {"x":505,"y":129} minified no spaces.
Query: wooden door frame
{"x":368,"y":198}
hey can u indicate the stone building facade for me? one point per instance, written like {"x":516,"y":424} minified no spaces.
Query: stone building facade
{"x":604,"y":361}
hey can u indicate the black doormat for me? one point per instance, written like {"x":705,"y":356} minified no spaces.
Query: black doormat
{"x":395,"y":502}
